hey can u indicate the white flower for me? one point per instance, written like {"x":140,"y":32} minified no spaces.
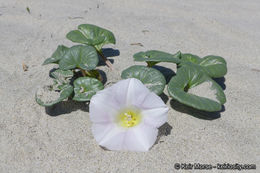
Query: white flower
{"x":126,"y":116}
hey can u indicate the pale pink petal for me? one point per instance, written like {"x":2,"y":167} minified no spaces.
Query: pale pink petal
{"x":119,"y":91}
{"x":102,"y":108}
{"x":155,"y":117}
{"x":136,"y":92}
{"x":109,"y":136}
{"x":140,"y":138}
{"x":105,"y":104}
{"x":152,"y":101}
{"x":100,"y":130}
{"x":129,"y":92}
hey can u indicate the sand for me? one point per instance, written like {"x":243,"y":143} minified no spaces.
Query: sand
{"x":33,"y":141}
{"x":204,"y":90}
{"x":47,"y":95}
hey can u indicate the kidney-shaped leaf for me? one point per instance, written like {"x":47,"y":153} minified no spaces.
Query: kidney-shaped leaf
{"x":187,"y":57}
{"x":47,"y":96}
{"x":153,"y":57}
{"x":214,"y":66}
{"x":57,"y":55}
{"x":92,"y":35}
{"x":150,"y":77}
{"x":189,"y":78}
{"x":78,"y":37}
{"x":62,"y":76}
{"x":85,"y":88}
{"x":84,"y":57}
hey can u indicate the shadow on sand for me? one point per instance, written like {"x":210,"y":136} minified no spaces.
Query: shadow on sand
{"x":163,"y":130}
{"x":194,"y":112}
{"x":221,"y":82}
{"x":108,"y":52}
{"x":66,"y":107}
{"x":168,"y":73}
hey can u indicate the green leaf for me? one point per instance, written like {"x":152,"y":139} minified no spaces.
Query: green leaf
{"x":92,"y":35}
{"x":62,"y":76}
{"x":47,"y":96}
{"x":150,"y":77}
{"x":85,"y":88}
{"x":190,"y":77}
{"x":95,"y":74}
{"x":153,"y":57}
{"x":79,"y":56}
{"x":57,"y":55}
{"x":190,"y":58}
{"x":214,"y":66}
{"x":78,"y":37}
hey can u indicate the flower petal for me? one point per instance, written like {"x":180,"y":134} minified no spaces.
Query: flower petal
{"x":152,"y":101}
{"x":102,"y":108}
{"x":119,"y":91}
{"x":109,"y":135}
{"x":99,"y":130}
{"x":140,"y":138}
{"x":105,"y":106}
{"x":155,"y":117}
{"x":136,"y":92}
{"x":129,"y":92}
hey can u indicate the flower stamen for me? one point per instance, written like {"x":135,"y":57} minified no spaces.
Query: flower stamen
{"x":129,"y":118}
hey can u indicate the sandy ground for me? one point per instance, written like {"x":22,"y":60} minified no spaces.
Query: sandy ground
{"x":33,"y":141}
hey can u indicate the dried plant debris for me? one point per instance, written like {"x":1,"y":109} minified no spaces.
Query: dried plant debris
{"x":254,"y":69}
{"x":77,"y":17}
{"x":28,"y":10}
{"x":145,"y":31}
{"x":137,"y":44}
{"x":25,"y":67}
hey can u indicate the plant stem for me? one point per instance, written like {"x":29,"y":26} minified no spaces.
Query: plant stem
{"x":108,"y":63}
{"x":83,"y":72}
{"x":149,"y":65}
{"x":87,"y":73}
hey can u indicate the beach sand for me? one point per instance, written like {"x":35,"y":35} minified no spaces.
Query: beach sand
{"x":59,"y":139}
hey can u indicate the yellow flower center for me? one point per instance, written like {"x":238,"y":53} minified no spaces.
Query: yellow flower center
{"x":129,"y":117}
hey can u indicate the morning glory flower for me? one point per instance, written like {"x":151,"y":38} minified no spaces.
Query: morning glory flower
{"x":126,"y":116}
